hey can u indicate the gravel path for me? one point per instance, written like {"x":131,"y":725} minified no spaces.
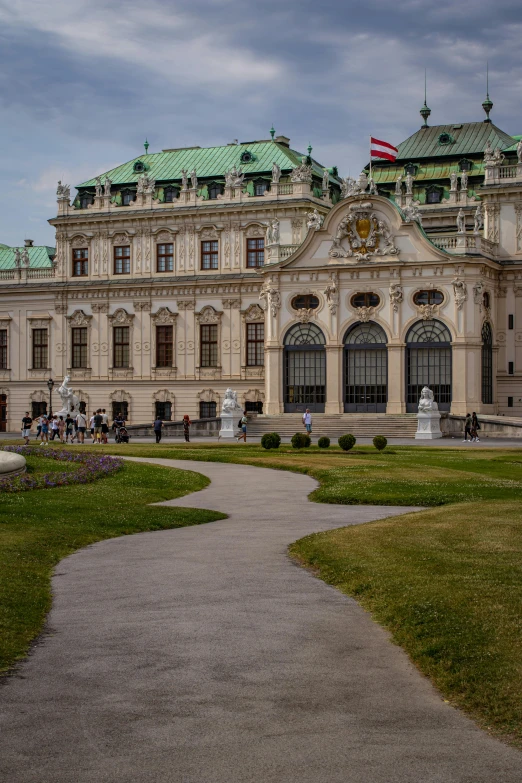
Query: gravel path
{"x":204,"y":655}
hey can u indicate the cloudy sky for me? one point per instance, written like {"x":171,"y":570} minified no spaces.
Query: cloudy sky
{"x":83,"y":82}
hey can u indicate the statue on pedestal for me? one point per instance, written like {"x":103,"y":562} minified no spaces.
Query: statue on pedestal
{"x":428,"y":417}
{"x":70,"y":402}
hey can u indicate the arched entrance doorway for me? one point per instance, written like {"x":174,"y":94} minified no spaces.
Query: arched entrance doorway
{"x":365,"y":369}
{"x":487,"y":364}
{"x":304,"y":369}
{"x":428,"y":363}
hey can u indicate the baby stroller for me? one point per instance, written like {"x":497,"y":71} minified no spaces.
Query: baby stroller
{"x":124,"y":436}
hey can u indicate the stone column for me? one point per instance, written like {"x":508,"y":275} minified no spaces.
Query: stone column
{"x":396,"y":378}
{"x":273,"y":379}
{"x":334,"y":379}
{"x":459,"y":379}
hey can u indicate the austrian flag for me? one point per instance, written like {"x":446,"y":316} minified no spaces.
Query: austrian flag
{"x":381,"y":149}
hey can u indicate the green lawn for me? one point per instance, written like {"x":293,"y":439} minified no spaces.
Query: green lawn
{"x":40,"y":527}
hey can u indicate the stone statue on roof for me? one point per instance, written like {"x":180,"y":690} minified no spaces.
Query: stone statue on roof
{"x":18,"y":258}
{"x":184,"y":179}
{"x":314,"y":220}
{"x":479,"y":219}
{"x":461,"y":222}
{"x":63,"y":191}
{"x":326,"y":180}
{"x":349,"y":187}
{"x":107,"y":186}
{"x":409,"y":184}
{"x":488,"y":152}
{"x":25,"y":258}
{"x":519,"y":151}
{"x":373,"y":187}
{"x":193,"y":179}
{"x":362,"y":181}
{"x":464,"y":182}
{"x":276,"y":173}
{"x":234,"y":178}
{"x":398,"y":186}
{"x":302,"y":173}
{"x":454,"y":179}
{"x":99,"y":187}
{"x":412,"y":214}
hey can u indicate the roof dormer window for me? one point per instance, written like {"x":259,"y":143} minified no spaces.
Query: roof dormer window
{"x":410,"y":168}
{"x":139,"y":167}
{"x":465,"y":165}
{"x":247,"y":157}
{"x":445,"y":139}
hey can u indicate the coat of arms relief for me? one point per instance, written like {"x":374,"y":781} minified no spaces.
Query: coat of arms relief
{"x":367,"y":233}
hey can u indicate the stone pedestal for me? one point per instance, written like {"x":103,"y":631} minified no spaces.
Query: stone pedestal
{"x":428,"y":426}
{"x":229,"y":424}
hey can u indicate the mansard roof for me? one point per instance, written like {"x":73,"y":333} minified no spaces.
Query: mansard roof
{"x":467,"y":138}
{"x":39,"y":256}
{"x":209,"y":162}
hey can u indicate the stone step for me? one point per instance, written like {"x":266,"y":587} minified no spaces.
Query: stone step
{"x":334,"y":425}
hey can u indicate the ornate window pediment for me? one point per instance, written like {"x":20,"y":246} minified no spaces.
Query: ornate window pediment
{"x":165,"y":235}
{"x":79,"y":318}
{"x":255,"y":230}
{"x":121,"y":239}
{"x":254,"y":313}
{"x":208,"y":315}
{"x":164,"y":316}
{"x":80,"y":241}
{"x":121,"y":318}
{"x":364,"y":235}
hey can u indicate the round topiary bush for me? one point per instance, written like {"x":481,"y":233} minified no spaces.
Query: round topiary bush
{"x":346,"y":442}
{"x":300,"y":440}
{"x":323,"y":442}
{"x":270,"y":440}
{"x":380,"y":442}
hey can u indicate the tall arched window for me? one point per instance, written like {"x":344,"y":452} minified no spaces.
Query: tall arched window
{"x":365,"y":369}
{"x":487,"y":364}
{"x":428,"y":363}
{"x":304,"y":369}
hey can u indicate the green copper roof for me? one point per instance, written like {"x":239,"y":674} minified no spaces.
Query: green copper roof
{"x":513,"y":147}
{"x":429,"y":170}
{"x":208,"y":162}
{"x":39,"y":257}
{"x":468,"y":138}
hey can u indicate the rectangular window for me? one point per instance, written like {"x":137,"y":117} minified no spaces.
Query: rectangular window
{"x":165,"y":258}
{"x":209,"y":255}
{"x":79,"y":347}
{"x":120,"y":408}
{"x":40,"y":350}
{"x":255,"y":252}
{"x":209,"y":345}
{"x":511,"y":322}
{"x":38,"y":409}
{"x":3,"y":349}
{"x":511,"y":368}
{"x":121,"y":346}
{"x":255,"y":345}
{"x":207,"y":410}
{"x":510,"y":402}
{"x":253,"y":407}
{"x":122,"y":260}
{"x":164,"y":346}
{"x":80,"y":262}
{"x":164,"y":411}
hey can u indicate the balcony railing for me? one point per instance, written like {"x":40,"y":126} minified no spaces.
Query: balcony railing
{"x":24,"y":274}
{"x":460,"y":244}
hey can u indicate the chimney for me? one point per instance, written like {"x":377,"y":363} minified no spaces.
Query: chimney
{"x":29,"y":242}
{"x":283,"y":140}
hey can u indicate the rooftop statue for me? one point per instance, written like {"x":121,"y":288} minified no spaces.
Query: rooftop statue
{"x":302,"y":173}
{"x":18,"y":258}
{"x":461,"y":222}
{"x":25,"y":258}
{"x":519,"y":151}
{"x":373,"y":187}
{"x":464,"y":182}
{"x":398,"y":186}
{"x":234,"y":178}
{"x":63,"y":191}
{"x":184,"y":179}
{"x":412,"y":213}
{"x":99,"y":187}
{"x":454,"y":180}
{"x":409,"y":184}
{"x":107,"y":186}
{"x":193,"y":179}
{"x":427,"y":402}
{"x":315,"y":220}
{"x":276,"y":173}
{"x":479,"y":219}
{"x":326,"y":180}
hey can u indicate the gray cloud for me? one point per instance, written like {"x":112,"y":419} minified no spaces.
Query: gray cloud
{"x":82,"y":83}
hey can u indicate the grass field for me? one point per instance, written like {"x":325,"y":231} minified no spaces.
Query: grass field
{"x":446,"y":582}
{"x":40,"y":527}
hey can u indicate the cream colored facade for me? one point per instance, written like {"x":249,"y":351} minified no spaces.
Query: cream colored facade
{"x":478,"y":274}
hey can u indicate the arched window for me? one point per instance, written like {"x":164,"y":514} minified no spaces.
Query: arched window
{"x":428,"y":362}
{"x":304,"y":369}
{"x":305,"y":302}
{"x":365,"y":369}
{"x":368,"y":299}
{"x":429,"y":297}
{"x":487,"y":364}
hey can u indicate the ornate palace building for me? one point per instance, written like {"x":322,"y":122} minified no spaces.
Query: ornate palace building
{"x":250,"y":265}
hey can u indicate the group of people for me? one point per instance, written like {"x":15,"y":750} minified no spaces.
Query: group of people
{"x":471,"y":428}
{"x":73,"y":427}
{"x":158,"y":427}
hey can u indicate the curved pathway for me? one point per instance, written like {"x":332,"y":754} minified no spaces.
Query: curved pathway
{"x":204,"y":655}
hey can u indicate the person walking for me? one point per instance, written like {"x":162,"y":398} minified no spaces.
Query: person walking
{"x":158,"y":424}
{"x":91,"y":425}
{"x":475,"y":426}
{"x":105,"y":426}
{"x":186,"y":428}
{"x":117,"y":424}
{"x":81,"y":424}
{"x":467,"y":428}
{"x":38,"y":427}
{"x":61,"y":429}
{"x":54,"y":427}
{"x":45,"y":430}
{"x":243,"y":425}
{"x":26,"y":428}
{"x":307,"y":421}
{"x":98,"y":421}
{"x":69,"y":428}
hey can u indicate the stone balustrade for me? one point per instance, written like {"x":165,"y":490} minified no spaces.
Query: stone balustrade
{"x":495,"y":173}
{"x":23,"y":274}
{"x":461,"y":244}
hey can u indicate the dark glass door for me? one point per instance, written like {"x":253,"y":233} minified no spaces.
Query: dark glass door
{"x":365,"y":379}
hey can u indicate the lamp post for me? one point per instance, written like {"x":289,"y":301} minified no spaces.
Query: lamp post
{"x":50,"y":384}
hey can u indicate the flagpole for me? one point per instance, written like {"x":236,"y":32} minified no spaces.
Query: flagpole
{"x":370,"y":157}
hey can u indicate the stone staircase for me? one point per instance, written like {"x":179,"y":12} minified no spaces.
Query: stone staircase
{"x":336,"y":424}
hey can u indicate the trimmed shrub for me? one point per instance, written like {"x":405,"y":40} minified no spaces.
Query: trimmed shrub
{"x":270,"y":440}
{"x":346,"y":442}
{"x":380,"y":442}
{"x":301,"y":441}
{"x":323,"y":442}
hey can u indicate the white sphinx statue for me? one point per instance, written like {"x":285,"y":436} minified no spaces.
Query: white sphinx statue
{"x":428,"y":417}
{"x":70,"y":402}
{"x":230,"y":411}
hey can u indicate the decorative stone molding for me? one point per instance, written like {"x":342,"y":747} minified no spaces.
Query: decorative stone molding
{"x":460,"y":291}
{"x":396,"y":295}
{"x":121,"y":239}
{"x":207,"y":233}
{"x":331,"y":293}
{"x":208,"y":315}
{"x":38,"y":396}
{"x":501,"y":337}
{"x":80,"y":241}
{"x":209,"y":395}
{"x":297,"y":231}
{"x":428,"y":312}
{"x":79,"y":318}
{"x":231,"y":304}
{"x":100,"y":307}
{"x":492,"y":222}
{"x":253,"y":313}
{"x":163,"y":317}
{"x":364,"y":314}
{"x":163,"y":395}
{"x":39,"y":321}
{"x":120,"y":395}
{"x":186,"y":304}
{"x":518,"y":226}
{"x":254,"y":230}
{"x":270,"y":297}
{"x":121,"y":318}
{"x":252,"y":395}
{"x":140,"y":306}
{"x":367,"y":235}
{"x":164,"y":236}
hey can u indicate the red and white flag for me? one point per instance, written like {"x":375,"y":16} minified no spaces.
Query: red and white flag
{"x":381,"y":149}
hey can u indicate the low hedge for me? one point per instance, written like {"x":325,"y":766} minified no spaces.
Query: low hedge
{"x":347,"y":442}
{"x":301,"y":441}
{"x":271,"y":440}
{"x":323,"y":442}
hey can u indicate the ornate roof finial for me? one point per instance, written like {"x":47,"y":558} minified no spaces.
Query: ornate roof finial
{"x":309,"y":150}
{"x":272,"y":132}
{"x":425,"y":111}
{"x":487,"y":105}
{"x":146,"y":145}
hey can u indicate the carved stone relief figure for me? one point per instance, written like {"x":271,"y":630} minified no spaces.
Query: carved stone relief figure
{"x":460,"y":292}
{"x":461,"y":222}
{"x":365,"y":314}
{"x":396,"y":295}
{"x":302,"y":173}
{"x":314,"y":220}
{"x":270,"y":297}
{"x":478,"y":219}
{"x":331,"y":294}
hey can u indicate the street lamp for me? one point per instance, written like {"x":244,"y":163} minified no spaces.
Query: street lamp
{"x":50,"y":384}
